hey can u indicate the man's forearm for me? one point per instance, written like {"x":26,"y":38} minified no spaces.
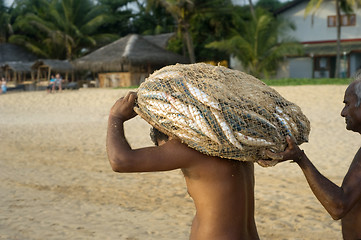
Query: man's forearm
{"x":329,"y":194}
{"x":116,"y":142}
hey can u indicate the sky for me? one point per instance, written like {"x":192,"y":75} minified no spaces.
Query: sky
{"x":8,"y":2}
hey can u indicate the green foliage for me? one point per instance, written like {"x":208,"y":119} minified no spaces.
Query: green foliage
{"x":152,"y":19}
{"x":255,"y":43}
{"x":269,"y":5}
{"x":175,"y":45}
{"x":307,"y":81}
{"x":5,"y":27}
{"x":211,"y":21}
{"x":59,"y":29}
{"x":67,"y":29}
{"x":118,"y":16}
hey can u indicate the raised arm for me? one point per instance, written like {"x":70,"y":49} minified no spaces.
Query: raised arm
{"x":336,"y":200}
{"x":123,"y":158}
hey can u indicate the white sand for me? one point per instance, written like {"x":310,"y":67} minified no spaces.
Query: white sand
{"x":56,"y":183}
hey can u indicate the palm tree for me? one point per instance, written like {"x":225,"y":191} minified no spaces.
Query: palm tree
{"x":181,"y":10}
{"x":5,"y":27}
{"x":185,"y":11}
{"x":211,"y":22}
{"x":119,"y":16}
{"x":60,"y":29}
{"x":252,"y":8}
{"x":345,"y":5}
{"x":152,"y":18}
{"x":255,"y":43}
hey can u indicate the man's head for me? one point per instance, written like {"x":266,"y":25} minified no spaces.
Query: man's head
{"x":158,"y":138}
{"x":352,"y":110}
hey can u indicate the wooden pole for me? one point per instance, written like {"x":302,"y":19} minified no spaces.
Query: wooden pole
{"x":49,"y":73}
{"x":37,"y":79}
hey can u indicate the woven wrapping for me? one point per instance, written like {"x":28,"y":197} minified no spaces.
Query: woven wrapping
{"x":219,"y":111}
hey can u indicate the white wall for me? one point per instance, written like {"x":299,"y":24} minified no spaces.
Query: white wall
{"x":319,"y":31}
{"x":300,"y":67}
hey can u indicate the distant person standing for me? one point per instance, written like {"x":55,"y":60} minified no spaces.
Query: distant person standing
{"x":3,"y":85}
{"x":58,"y":81}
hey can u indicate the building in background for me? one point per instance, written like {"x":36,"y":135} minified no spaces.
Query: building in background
{"x":318,"y":34}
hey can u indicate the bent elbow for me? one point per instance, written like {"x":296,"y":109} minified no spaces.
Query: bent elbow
{"x":115,"y":166}
{"x":119,"y":165}
{"x":338,"y":212}
{"x":336,"y":216}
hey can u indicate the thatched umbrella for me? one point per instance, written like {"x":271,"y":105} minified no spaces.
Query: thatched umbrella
{"x":19,"y":69}
{"x":129,"y":51}
{"x":14,"y":53}
{"x":60,"y":66}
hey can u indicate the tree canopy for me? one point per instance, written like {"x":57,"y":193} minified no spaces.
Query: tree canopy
{"x":205,"y":30}
{"x":255,"y":43}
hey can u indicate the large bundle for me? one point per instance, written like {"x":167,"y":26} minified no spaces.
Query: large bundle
{"x":219,"y":111}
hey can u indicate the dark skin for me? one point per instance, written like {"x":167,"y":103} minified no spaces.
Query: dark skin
{"x":340,"y":202}
{"x":222,"y":189}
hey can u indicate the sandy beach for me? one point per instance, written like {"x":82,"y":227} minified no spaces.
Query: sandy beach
{"x":56,"y":182}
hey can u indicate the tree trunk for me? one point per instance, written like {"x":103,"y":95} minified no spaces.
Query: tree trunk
{"x":189,"y":42}
{"x":252,"y":9}
{"x":338,"y":42}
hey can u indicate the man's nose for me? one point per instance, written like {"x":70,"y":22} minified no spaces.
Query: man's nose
{"x":343,"y":112}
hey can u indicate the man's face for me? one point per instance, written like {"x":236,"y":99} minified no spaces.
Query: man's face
{"x":350,"y":112}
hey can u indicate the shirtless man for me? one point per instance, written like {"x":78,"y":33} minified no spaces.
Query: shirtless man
{"x":340,"y":202}
{"x":222,"y":189}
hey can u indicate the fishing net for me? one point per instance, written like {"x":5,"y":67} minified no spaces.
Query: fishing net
{"x":219,"y":111}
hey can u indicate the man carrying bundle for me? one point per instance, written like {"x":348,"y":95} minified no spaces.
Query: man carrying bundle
{"x":219,"y":122}
{"x":222,"y":189}
{"x":340,"y":202}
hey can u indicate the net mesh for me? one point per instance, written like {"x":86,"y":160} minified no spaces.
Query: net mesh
{"x":219,"y":111}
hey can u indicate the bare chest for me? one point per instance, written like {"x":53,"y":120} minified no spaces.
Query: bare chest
{"x":351,"y":223}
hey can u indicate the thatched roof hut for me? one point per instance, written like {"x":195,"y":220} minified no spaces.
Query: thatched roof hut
{"x":128,"y":51}
{"x":13,"y":53}
{"x":129,"y":60}
{"x":61,"y":66}
{"x":24,"y":67}
{"x":160,"y":40}
{"x":17,"y":71}
{"x":44,"y":67}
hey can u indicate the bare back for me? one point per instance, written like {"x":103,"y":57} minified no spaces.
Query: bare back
{"x":223,"y":193}
{"x":222,"y":190}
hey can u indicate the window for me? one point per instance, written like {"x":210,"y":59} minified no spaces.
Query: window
{"x":331,"y":21}
{"x":346,"y":20}
{"x":322,"y":63}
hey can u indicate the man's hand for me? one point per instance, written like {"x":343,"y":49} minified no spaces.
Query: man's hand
{"x":292,"y":152}
{"x":124,"y":107}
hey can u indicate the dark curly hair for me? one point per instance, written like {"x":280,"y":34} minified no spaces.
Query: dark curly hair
{"x":157,"y":135}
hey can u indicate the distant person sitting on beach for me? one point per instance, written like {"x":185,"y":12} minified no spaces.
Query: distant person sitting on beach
{"x":49,"y":88}
{"x":58,"y":82}
{"x":340,"y":202}
{"x":3,"y":85}
{"x":222,"y":189}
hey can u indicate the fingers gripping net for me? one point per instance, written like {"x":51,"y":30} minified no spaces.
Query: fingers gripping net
{"x":219,"y":111}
